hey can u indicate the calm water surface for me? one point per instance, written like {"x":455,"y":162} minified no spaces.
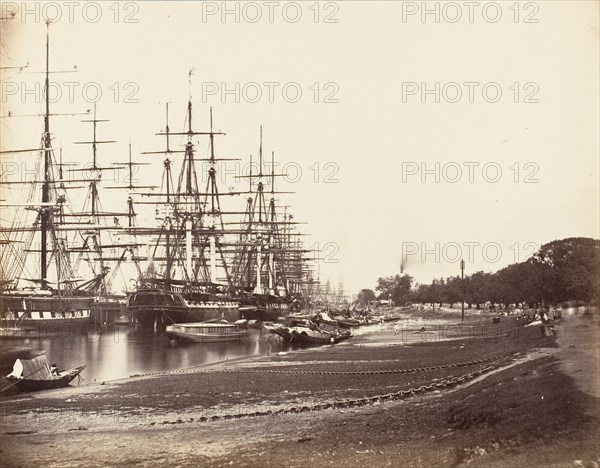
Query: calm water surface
{"x":120,"y":352}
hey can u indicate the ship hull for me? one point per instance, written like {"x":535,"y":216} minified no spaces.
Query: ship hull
{"x":45,"y":314}
{"x":108,"y":311}
{"x":265,"y":309}
{"x":155,"y":309}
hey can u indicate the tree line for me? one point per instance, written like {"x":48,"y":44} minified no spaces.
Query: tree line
{"x":560,"y":271}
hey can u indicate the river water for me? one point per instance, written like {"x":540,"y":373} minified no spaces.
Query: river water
{"x":122,"y":351}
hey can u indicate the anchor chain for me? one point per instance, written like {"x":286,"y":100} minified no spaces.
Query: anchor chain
{"x":374,"y":372}
{"x":336,"y":404}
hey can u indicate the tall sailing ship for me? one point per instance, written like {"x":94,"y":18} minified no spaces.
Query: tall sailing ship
{"x":201,"y":267}
{"x":97,"y":247}
{"x":180,"y":284}
{"x":200,"y":264}
{"x":41,"y":293}
{"x":261,"y":265}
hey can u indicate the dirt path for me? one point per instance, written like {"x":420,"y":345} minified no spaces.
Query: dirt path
{"x":578,"y":337}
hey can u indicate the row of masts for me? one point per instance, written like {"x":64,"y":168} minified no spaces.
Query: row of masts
{"x":192,"y":247}
{"x":194,"y":224}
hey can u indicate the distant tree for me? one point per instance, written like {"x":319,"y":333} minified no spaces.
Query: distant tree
{"x":438,"y":291}
{"x":477,"y":287}
{"x":397,"y":288}
{"x":422,"y":294}
{"x":562,"y":270}
{"x":520,"y":283}
{"x":451,"y":292}
{"x":569,"y":269}
{"x":365,"y":296}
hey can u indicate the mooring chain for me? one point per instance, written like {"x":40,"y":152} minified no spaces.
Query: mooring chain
{"x":374,"y":372}
{"x":336,"y":404}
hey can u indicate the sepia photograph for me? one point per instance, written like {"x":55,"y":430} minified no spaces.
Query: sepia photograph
{"x":300,"y":233}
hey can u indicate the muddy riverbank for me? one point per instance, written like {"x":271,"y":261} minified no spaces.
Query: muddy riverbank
{"x":372,"y":401}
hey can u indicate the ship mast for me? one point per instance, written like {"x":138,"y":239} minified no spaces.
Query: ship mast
{"x":131,"y":246}
{"x":44,"y":224}
{"x":262,"y":247}
{"x":92,"y":242}
{"x":196,"y":223}
{"x":96,"y":169}
{"x":50,"y":210}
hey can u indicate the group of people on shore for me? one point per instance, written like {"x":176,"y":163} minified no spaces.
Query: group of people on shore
{"x":546,"y":316}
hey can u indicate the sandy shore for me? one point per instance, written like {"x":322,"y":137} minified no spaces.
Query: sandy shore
{"x":526,"y":400}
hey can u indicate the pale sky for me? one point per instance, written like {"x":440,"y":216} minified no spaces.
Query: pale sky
{"x":372,"y":142}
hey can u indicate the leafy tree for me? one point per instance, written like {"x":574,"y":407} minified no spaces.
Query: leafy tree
{"x":451,"y":292}
{"x":477,"y":288}
{"x":570,"y":269}
{"x":562,"y":270}
{"x":365,"y":296}
{"x":422,"y":294}
{"x":397,"y":288}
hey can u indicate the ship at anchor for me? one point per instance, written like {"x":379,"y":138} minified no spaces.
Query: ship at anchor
{"x":181,"y":282}
{"x":38,"y":281}
{"x":196,"y":260}
{"x":58,"y":269}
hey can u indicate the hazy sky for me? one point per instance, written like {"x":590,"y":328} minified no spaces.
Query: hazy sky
{"x":504,"y":173}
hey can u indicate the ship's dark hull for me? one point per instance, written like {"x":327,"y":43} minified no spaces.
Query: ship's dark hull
{"x":159,"y":309}
{"x":108,"y":311}
{"x":264,"y":308}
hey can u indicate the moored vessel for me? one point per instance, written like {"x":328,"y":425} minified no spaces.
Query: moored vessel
{"x":308,"y":332}
{"x":263,"y":307}
{"x":205,"y":332}
{"x":42,"y":312}
{"x":32,"y":375}
{"x":38,"y":281}
{"x":181,"y":282}
{"x":159,"y":307}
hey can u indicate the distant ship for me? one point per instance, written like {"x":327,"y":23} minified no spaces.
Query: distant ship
{"x":263,"y":307}
{"x":266,"y":262}
{"x":197,"y":270}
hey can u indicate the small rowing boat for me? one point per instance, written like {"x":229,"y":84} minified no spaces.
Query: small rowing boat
{"x":32,"y":375}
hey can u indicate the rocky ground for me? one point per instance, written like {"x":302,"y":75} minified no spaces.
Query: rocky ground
{"x":524,"y":400}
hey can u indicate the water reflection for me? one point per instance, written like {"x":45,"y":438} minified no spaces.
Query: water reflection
{"x":124,"y":351}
